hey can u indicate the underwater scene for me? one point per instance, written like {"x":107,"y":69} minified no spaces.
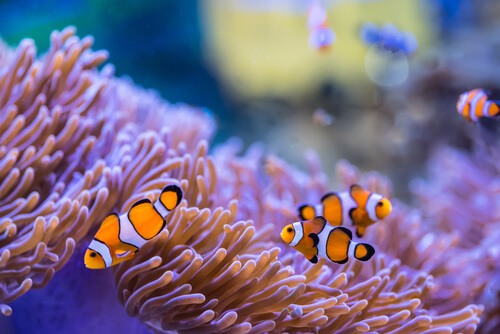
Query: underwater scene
{"x":250,"y":166}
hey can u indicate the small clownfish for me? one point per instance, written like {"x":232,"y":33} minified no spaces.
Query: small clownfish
{"x":355,"y":207}
{"x":320,"y":36}
{"x":315,"y":238}
{"x":120,"y":237}
{"x":475,"y":104}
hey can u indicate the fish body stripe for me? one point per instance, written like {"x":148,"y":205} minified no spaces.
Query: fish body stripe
{"x":323,"y":239}
{"x":160,"y":208}
{"x":103,"y":250}
{"x":371,"y":204}
{"x":473,"y":105}
{"x":318,"y":208}
{"x":352,"y":249}
{"x":462,"y":102}
{"x":128,"y":234}
{"x":347,"y":203}
{"x":299,"y":233}
{"x":486,"y":108}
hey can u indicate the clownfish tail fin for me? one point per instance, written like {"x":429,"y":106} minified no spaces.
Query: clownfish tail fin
{"x":171,"y":196}
{"x":306,"y":212}
{"x":362,"y":251}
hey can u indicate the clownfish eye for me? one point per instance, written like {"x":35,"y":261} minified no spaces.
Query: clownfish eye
{"x":93,"y":254}
{"x":289,"y":230}
{"x":380,"y":203}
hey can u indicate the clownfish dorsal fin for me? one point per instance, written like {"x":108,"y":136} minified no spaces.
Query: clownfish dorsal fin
{"x":171,"y":196}
{"x":306,"y":212}
{"x":327,"y":196}
{"x":319,"y":220}
{"x":314,"y":238}
{"x":355,"y":188}
{"x":110,"y":220}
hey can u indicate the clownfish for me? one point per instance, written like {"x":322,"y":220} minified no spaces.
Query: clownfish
{"x":355,"y":207}
{"x":315,"y":238}
{"x":320,"y":36}
{"x":474,"y":104}
{"x":121,"y":236}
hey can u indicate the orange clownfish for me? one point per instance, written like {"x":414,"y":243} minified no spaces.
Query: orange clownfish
{"x":315,"y":238}
{"x":120,"y":237}
{"x":474,"y":104}
{"x":355,"y":207}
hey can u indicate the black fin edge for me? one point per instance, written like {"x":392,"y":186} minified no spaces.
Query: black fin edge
{"x":325,"y":196}
{"x":314,"y":259}
{"x":369,"y":248}
{"x":175,"y":188}
{"x":142,"y":201}
{"x":300,"y":208}
{"x":346,"y":231}
{"x":359,"y":235}
{"x":343,"y":261}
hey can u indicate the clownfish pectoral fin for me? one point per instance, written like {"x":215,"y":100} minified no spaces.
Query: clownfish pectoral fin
{"x":124,"y":253}
{"x":363,"y":252}
{"x":306,"y":212}
{"x":314,"y":238}
{"x":360,"y":231}
{"x":171,"y":196}
{"x":332,"y":208}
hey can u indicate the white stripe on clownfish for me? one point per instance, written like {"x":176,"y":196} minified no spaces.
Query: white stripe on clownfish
{"x":348,"y":203}
{"x":371,"y":204}
{"x":299,"y":233}
{"x":102,"y":249}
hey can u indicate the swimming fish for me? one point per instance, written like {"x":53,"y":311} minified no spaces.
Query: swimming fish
{"x":389,"y":37}
{"x":355,"y":207}
{"x":475,"y":104}
{"x":121,"y":236}
{"x":315,"y":238}
{"x":320,"y":35}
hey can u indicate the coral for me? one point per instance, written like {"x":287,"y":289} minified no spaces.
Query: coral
{"x":78,"y":143}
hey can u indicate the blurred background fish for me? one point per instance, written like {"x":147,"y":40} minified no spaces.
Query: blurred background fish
{"x":320,"y":35}
{"x":388,"y":37}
